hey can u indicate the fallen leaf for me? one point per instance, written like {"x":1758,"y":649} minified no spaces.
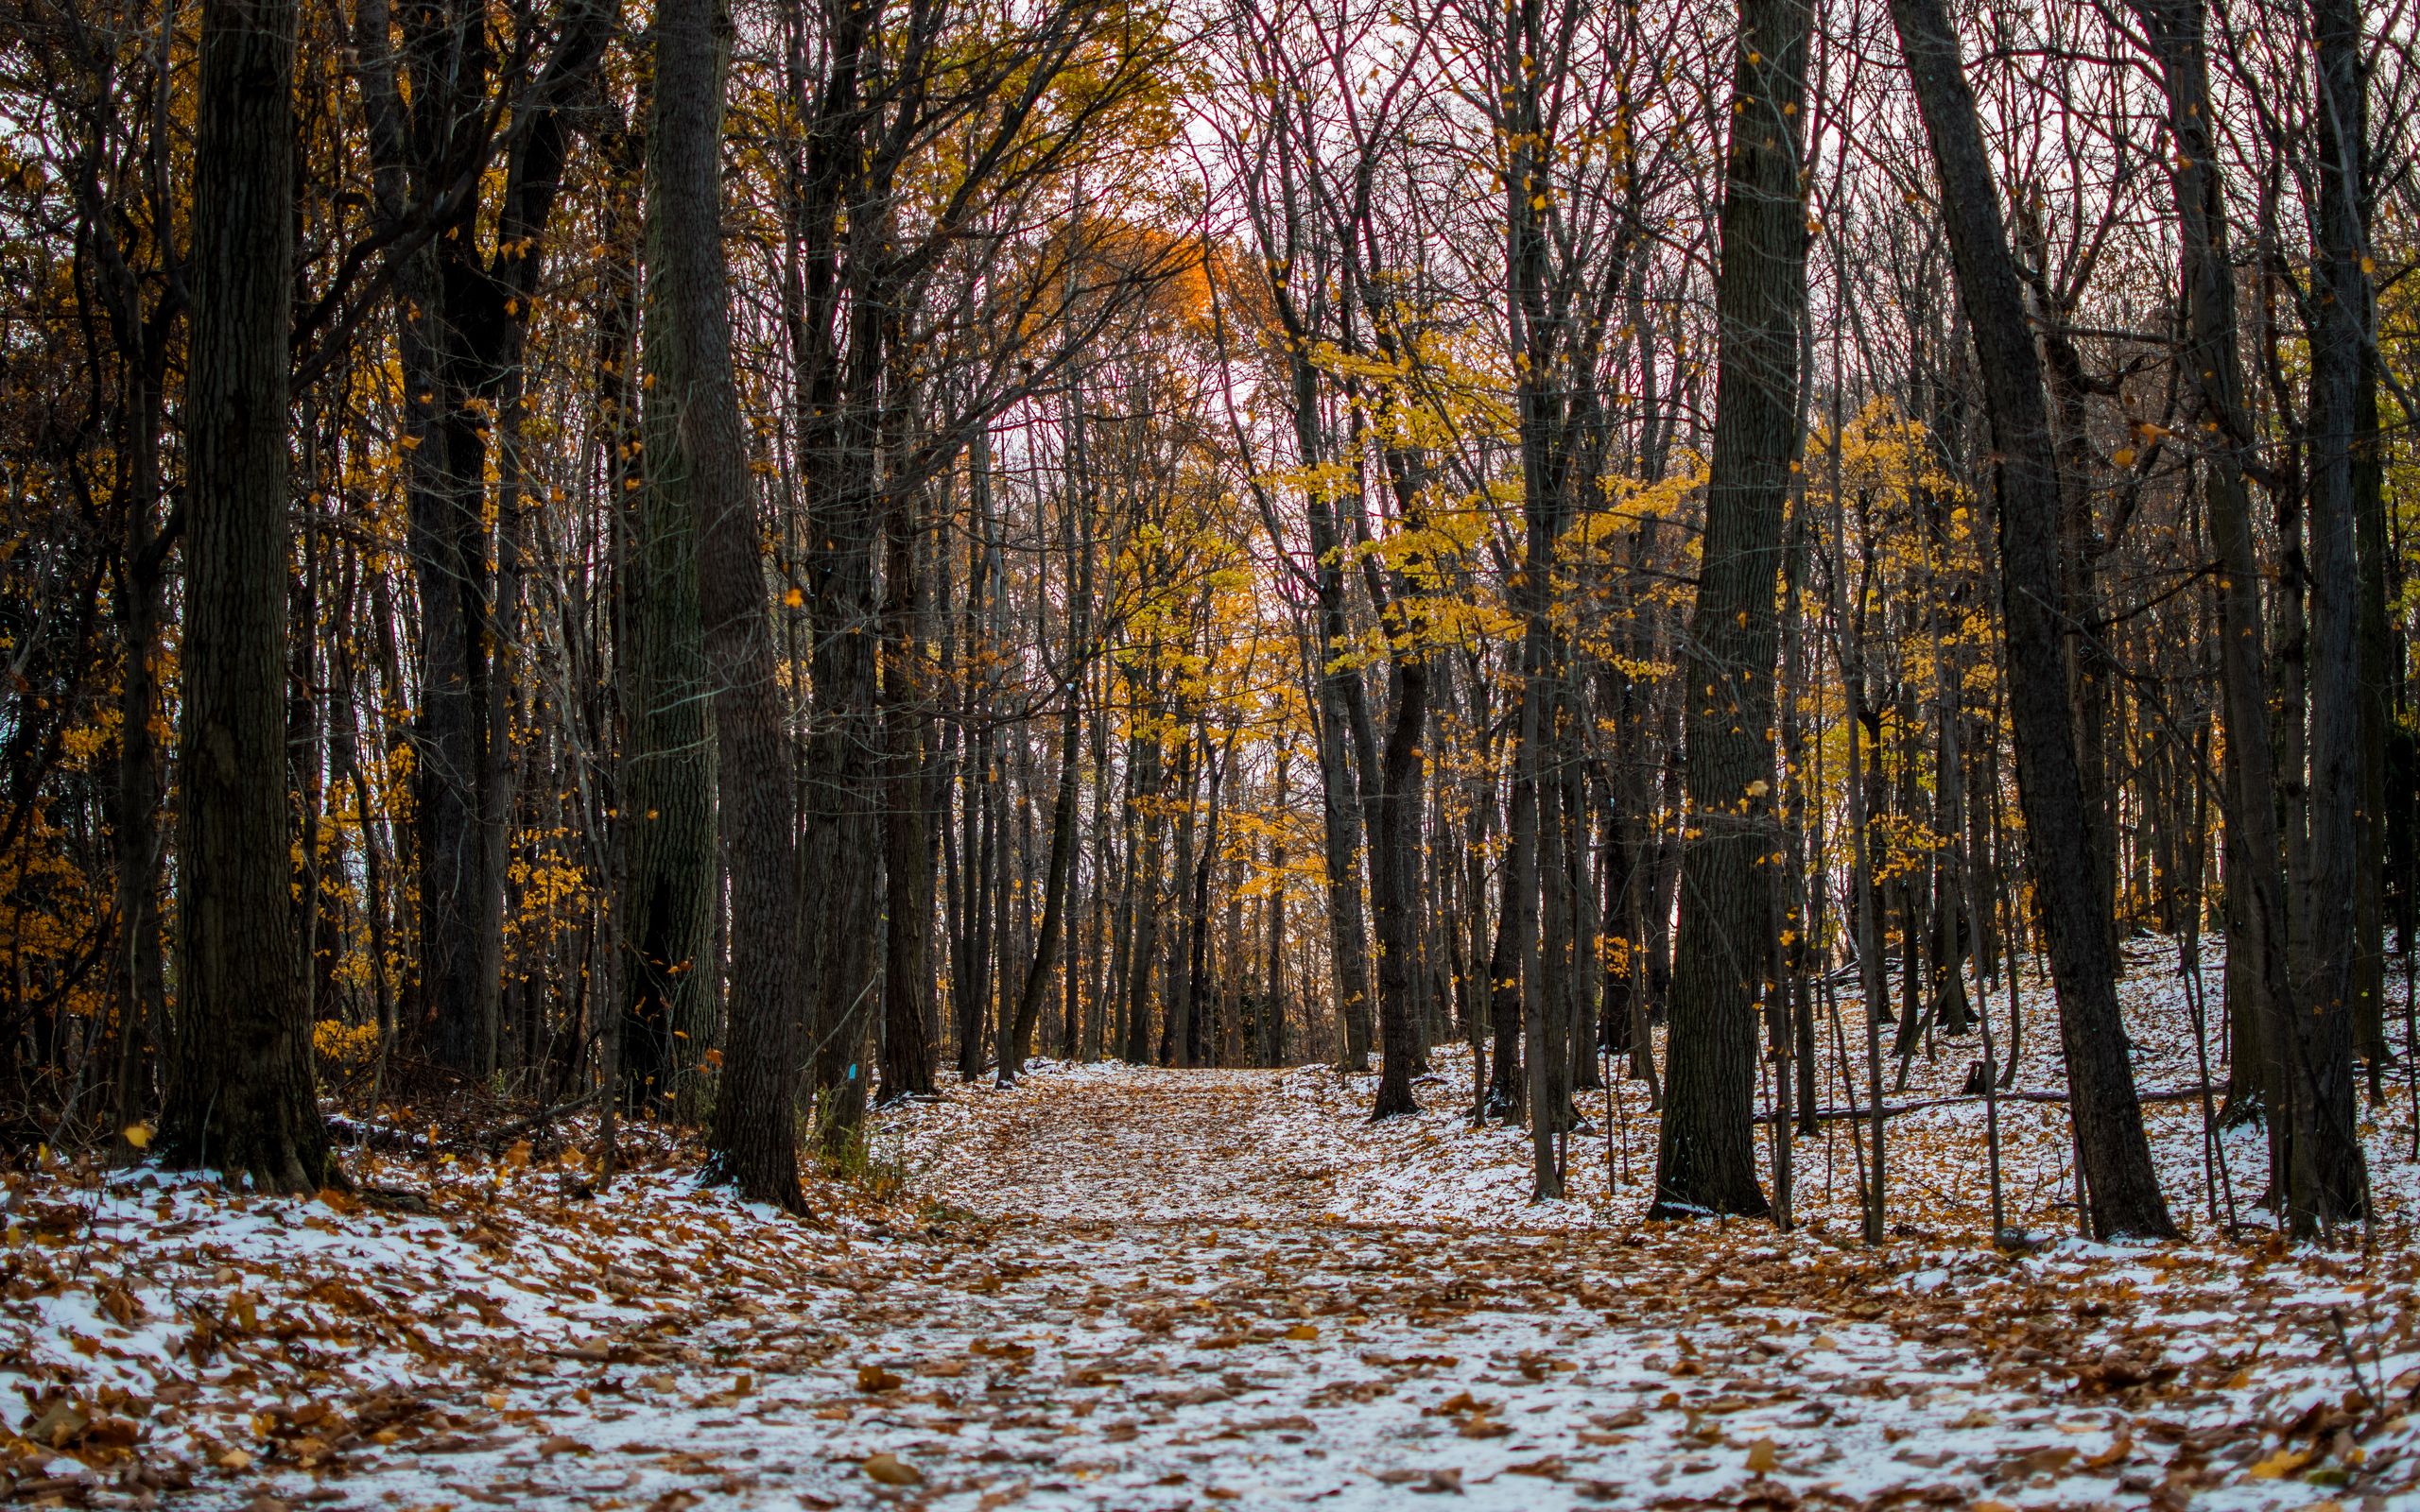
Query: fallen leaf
{"x":2117,"y":1454}
{"x":891,"y":1471}
{"x":1762,"y":1457}
{"x":2281,"y":1463}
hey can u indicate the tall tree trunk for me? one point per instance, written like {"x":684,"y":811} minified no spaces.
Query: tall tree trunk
{"x":1143,"y":898}
{"x":2125,"y":1196}
{"x":752,"y":1140}
{"x":1176,"y":1029}
{"x":141,"y":993}
{"x":666,"y":780}
{"x":239,"y":1095}
{"x":1394,"y":879}
{"x":2259,"y":990}
{"x":2327,"y":1184}
{"x":1017,"y":1044}
{"x":907,"y":1005}
{"x":432,"y":131}
{"x":1706,"y":1159}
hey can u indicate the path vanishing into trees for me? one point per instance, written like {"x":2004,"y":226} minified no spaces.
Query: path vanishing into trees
{"x":1114,"y":1288}
{"x":1127,"y":1289}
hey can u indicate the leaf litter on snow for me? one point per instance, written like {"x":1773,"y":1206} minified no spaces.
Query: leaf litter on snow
{"x":1117,"y":1287}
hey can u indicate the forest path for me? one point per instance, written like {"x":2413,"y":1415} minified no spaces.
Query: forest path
{"x":1205,"y":1329}
{"x":1117,"y":1147}
{"x":1116,"y":1289}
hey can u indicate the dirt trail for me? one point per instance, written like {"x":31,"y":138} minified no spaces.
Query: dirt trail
{"x":1204,"y":1144}
{"x":1171,"y":1254}
{"x":1126,"y":1291}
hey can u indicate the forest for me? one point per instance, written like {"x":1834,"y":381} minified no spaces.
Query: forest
{"x":721,"y":590}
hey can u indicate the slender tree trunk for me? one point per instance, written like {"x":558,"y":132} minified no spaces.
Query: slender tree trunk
{"x":141,"y":976}
{"x":2124,"y":1188}
{"x":1062,"y":867}
{"x":907,"y":1007}
{"x":1395,"y":856}
{"x":2259,"y":989}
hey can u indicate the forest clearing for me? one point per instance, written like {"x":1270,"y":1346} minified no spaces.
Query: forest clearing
{"x":1143,"y":753}
{"x":1131,"y":1287}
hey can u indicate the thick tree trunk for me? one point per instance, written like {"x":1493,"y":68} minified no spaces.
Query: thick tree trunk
{"x":239,"y":1095}
{"x":843,"y":825}
{"x":1706,"y":1159}
{"x":667,"y":781}
{"x":2124,"y":1188}
{"x":2327,"y":1185}
{"x":752,"y":1140}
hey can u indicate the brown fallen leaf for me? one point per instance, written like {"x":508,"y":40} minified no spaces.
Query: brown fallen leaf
{"x":891,"y":1471}
{"x":59,"y":1424}
{"x":2117,"y":1454}
{"x":873,"y":1378}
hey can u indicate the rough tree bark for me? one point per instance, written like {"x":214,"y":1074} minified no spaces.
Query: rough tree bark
{"x":2327,"y":1184}
{"x":438,"y":145}
{"x":909,"y":1003}
{"x":752,"y":1140}
{"x":1706,"y":1159}
{"x":667,"y":767}
{"x":2256,"y":964}
{"x":2125,"y":1196}
{"x":239,"y":1092}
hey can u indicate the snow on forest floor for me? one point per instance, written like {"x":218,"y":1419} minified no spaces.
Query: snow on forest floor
{"x":1122,"y":1288}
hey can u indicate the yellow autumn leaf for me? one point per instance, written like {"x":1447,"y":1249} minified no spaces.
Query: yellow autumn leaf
{"x":2281,"y":1463}
{"x":138,"y":1135}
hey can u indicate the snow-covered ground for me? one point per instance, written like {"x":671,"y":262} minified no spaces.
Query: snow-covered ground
{"x":1123,"y":1288}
